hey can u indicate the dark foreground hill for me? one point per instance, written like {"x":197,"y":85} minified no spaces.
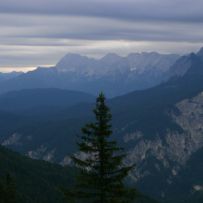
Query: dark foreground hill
{"x":36,"y":181}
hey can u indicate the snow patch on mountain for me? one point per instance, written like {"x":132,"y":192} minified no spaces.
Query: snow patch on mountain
{"x":110,"y":63}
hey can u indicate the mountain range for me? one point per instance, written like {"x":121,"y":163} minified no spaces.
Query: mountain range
{"x":160,"y":127}
{"x":80,"y":73}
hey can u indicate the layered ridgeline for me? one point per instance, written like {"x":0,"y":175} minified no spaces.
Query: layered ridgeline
{"x":47,"y":98}
{"x":160,"y":127}
{"x":76,"y":72}
{"x":37,"y":112}
{"x":10,"y":75}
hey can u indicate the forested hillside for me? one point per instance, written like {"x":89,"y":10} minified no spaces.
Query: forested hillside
{"x":34,"y":181}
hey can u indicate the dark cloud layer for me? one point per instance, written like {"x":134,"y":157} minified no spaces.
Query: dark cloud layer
{"x":171,"y":10}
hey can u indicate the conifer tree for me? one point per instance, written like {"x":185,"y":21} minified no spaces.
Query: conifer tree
{"x":101,"y":171}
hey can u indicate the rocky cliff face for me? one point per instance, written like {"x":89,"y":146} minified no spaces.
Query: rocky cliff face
{"x":170,"y":152}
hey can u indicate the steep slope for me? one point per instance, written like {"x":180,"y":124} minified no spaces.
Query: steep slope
{"x":36,"y":181}
{"x":192,"y":177}
{"x":39,"y":181}
{"x":157,"y":100}
{"x":113,"y":74}
{"x":165,"y":130}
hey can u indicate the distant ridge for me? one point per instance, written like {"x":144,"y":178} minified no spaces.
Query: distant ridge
{"x":112,"y":74}
{"x":32,"y":98}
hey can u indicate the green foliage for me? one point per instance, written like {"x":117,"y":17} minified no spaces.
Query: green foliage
{"x":101,"y":170}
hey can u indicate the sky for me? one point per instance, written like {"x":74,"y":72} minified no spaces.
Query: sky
{"x":40,"y":32}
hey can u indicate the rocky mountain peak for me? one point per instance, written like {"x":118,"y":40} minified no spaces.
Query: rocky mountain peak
{"x":111,"y":58}
{"x":73,"y":63}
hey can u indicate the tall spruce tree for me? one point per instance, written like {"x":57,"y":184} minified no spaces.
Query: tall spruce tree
{"x":101,"y":171}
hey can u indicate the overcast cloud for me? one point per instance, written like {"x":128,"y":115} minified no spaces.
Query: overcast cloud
{"x":40,"y":32}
